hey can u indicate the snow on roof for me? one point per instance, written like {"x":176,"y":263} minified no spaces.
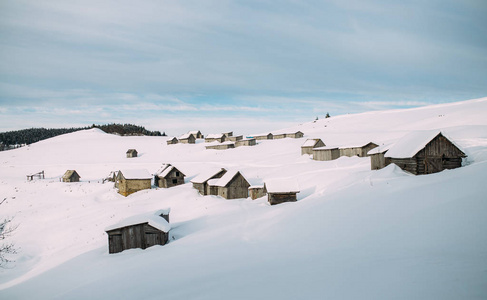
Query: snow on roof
{"x":212,"y":182}
{"x":163,"y":211}
{"x":166,"y":171}
{"x":214,"y":136}
{"x":207,"y":175}
{"x":356,"y":145}
{"x":282,"y":186}
{"x":194,"y":132}
{"x":153,"y":220}
{"x":310,"y":142}
{"x":226,"y":178}
{"x":69,"y":173}
{"x":411,"y":143}
{"x":185,"y":136}
{"x":131,"y":150}
{"x":380,"y":149}
{"x":325,"y":148}
{"x":136,"y":174}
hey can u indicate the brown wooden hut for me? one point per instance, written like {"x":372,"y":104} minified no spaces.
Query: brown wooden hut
{"x":197,"y":134}
{"x":268,"y":136}
{"x":377,"y":157}
{"x":70,"y":176}
{"x":200,"y":182}
{"x":234,"y":138}
{"x":295,"y":135}
{"x":360,"y":151}
{"x":131,"y":153}
{"x":326,"y":153}
{"x":131,"y":181}
{"x":232,"y":185}
{"x":172,"y":141}
{"x":187,"y":138}
{"x":141,"y":231}
{"x":221,"y":146}
{"x":219,"y":137}
{"x":257,"y":191}
{"x":279,"y":191}
{"x":425,"y":152}
{"x":168,"y":176}
{"x":307,"y":147}
{"x":246,"y":142}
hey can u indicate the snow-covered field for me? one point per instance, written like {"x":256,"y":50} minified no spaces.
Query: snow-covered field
{"x":353,"y":234}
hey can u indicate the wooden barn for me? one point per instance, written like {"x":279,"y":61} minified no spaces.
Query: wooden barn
{"x":268,"y":136}
{"x":377,"y":157}
{"x":131,"y":153}
{"x":197,"y":134}
{"x":218,"y":137}
{"x":172,"y":141}
{"x":200,"y":182}
{"x":234,"y":138}
{"x":279,"y":191}
{"x":425,"y":152}
{"x":221,"y":146}
{"x":187,"y":138}
{"x":326,"y":153}
{"x":232,"y":185}
{"x":131,"y":181}
{"x":307,"y":147}
{"x":257,"y":191}
{"x":168,"y":176}
{"x":246,"y":142}
{"x":70,"y":176}
{"x":278,"y":136}
{"x":295,"y":135}
{"x":141,"y":231}
{"x":360,"y":151}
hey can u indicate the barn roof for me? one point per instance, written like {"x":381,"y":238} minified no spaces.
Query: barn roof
{"x":154,"y":220}
{"x":225,"y":180}
{"x":357,"y":145}
{"x":214,"y":136}
{"x":325,"y":148}
{"x":165,"y":170}
{"x":310,"y":142}
{"x":207,"y":175}
{"x":194,"y":132}
{"x":69,"y":173}
{"x":275,"y":186}
{"x":380,"y":149}
{"x":136,"y":174}
{"x":185,"y":136}
{"x":409,"y":145}
{"x":131,"y":150}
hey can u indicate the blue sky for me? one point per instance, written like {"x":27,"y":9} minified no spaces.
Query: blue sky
{"x":243,"y":65}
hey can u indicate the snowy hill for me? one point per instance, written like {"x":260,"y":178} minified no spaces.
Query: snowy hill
{"x":353,"y":233}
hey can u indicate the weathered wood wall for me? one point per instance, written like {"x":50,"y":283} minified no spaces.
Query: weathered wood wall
{"x":237,"y":188}
{"x":326,"y":154}
{"x":130,"y":186}
{"x":280,"y":198}
{"x":378,"y":161}
{"x":257,"y":192}
{"x":135,"y":236}
{"x":174,"y":178}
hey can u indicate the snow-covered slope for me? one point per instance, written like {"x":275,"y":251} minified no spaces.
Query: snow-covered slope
{"x":354,"y":233}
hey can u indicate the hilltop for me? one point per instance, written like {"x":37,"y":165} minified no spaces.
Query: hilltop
{"x":353,"y":233}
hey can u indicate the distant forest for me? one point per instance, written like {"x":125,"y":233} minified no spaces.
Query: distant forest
{"x":13,"y":139}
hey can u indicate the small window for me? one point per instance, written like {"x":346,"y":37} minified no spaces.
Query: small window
{"x":174,"y":181}
{"x":177,"y":174}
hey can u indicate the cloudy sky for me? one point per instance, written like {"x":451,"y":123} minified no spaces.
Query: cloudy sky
{"x":243,"y":65}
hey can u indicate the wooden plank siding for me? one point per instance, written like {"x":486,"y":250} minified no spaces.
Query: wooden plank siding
{"x":174,"y":178}
{"x":276,"y":198}
{"x":237,"y":188}
{"x":326,"y":154}
{"x":135,"y":236}
{"x":130,"y":186}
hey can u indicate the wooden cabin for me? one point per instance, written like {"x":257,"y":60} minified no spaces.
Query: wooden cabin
{"x":246,"y":142}
{"x":168,"y":176}
{"x":200,"y":182}
{"x":221,"y":146}
{"x":228,"y":134}
{"x":326,"y":153}
{"x":307,"y":147}
{"x":232,"y":185}
{"x":131,"y":181}
{"x":279,"y":136}
{"x":257,"y":191}
{"x":70,"y":176}
{"x":131,"y":153}
{"x":219,"y":137}
{"x":234,"y":138}
{"x":172,"y":141}
{"x":141,"y":231}
{"x":377,"y":157}
{"x":268,"y":136}
{"x":187,"y":138}
{"x":279,"y":191}
{"x":197,"y":134}
{"x":360,"y":151}
{"x":425,"y":152}
{"x":295,"y":135}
